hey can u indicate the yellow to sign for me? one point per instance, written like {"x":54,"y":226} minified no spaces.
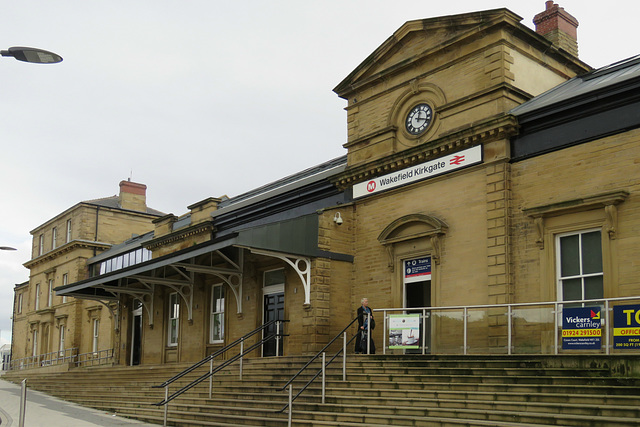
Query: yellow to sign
{"x":622,"y":332}
{"x":582,"y":332}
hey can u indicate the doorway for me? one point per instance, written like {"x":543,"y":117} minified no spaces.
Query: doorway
{"x":273,"y":309}
{"x":417,"y":294}
{"x":136,"y":333}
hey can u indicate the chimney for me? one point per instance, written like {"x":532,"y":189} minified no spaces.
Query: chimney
{"x":558,"y":27}
{"x":133,"y":196}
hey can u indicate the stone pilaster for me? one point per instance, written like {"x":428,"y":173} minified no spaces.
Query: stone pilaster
{"x":498,"y":260}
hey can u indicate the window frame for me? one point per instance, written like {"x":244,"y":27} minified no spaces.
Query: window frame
{"x":54,"y":237}
{"x":61,"y":340}
{"x":34,"y":337}
{"x":96,"y":335}
{"x":581,"y":275}
{"x":173,"y":316}
{"x":217,"y":314}
{"x":50,"y":295}
{"x":65,"y":281}
{"x":68,"y":236}
{"x":37,"y":299}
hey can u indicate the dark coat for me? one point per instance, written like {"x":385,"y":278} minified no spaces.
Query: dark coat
{"x":362,"y":315}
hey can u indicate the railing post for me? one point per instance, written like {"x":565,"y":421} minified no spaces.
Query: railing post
{"x":166,"y":405}
{"x":241,"y":357}
{"x":23,"y":402}
{"x":368,"y":331}
{"x":277,"y":338}
{"x":510,"y":316}
{"x":384,"y":331}
{"x":344,"y":357}
{"x":424,"y":331}
{"x":323,"y":375}
{"x":466,"y":323}
{"x":555,"y":328}
{"x":290,"y":403}
{"x":606,"y":327}
{"x":211,"y":376}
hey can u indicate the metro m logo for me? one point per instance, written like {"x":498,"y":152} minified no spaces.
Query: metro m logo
{"x":371,"y":186}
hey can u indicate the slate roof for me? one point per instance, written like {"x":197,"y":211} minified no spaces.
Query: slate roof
{"x":113,"y":203}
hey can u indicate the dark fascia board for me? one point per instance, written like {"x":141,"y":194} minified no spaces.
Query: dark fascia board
{"x":284,"y":202}
{"x":285,"y":212}
{"x":579,"y":130}
{"x":590,"y":103}
{"x":288,"y":185}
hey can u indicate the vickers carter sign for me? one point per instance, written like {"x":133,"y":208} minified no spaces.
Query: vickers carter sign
{"x":420,"y":172}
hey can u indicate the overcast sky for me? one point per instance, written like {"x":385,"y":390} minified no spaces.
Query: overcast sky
{"x":198,"y":98}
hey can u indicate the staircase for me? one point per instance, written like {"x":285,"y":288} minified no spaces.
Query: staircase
{"x":379,"y":391}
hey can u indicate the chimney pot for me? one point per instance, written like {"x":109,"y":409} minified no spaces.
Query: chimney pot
{"x":558,"y":26}
{"x":133,"y":196}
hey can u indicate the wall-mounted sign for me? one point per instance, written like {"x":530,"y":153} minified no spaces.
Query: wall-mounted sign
{"x":581,"y":328}
{"x":417,"y":270}
{"x":626,"y":327}
{"x":404,"y":331}
{"x":420,"y":172}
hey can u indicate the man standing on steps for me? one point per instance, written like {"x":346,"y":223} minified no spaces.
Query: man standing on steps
{"x":364,"y":311}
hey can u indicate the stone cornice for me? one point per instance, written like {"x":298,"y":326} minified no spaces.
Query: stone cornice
{"x":64,"y":249}
{"x":182,"y":234}
{"x":502,"y":127}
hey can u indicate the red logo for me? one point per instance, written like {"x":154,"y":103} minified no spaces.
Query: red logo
{"x":371,"y":186}
{"x":456,"y":160}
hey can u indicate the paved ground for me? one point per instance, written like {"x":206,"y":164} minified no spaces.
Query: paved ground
{"x":45,"y":411}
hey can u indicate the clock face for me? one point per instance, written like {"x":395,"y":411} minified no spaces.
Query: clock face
{"x":418,"y":119}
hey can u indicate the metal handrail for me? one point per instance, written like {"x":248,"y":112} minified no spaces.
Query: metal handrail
{"x":216,"y":354}
{"x":321,"y":352}
{"x":206,"y":375}
{"x":52,"y":358}
{"x":209,"y":375}
{"x":92,"y":358}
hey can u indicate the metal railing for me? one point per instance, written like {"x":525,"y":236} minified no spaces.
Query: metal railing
{"x":277,"y":336}
{"x":519,"y":328}
{"x":69,"y":355}
{"x":322,"y":370}
{"x":100,"y":357}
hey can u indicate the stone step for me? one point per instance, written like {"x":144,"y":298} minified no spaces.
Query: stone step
{"x":402,"y":406}
{"x":381,"y":390}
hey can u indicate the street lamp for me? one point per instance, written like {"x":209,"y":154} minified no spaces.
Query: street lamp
{"x":32,"y":54}
{"x":7,"y":248}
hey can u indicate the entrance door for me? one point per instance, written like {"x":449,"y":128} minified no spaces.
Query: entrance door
{"x":273,"y":310}
{"x":136,"y":333}
{"x":417,"y":293}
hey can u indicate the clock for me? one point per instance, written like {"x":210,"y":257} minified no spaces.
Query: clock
{"x":418,"y":119}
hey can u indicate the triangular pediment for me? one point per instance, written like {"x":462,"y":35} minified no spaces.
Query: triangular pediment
{"x":416,"y":39}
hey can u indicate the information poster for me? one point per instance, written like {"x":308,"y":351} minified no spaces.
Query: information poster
{"x":626,"y":327}
{"x":404,"y":331}
{"x":581,"y":328}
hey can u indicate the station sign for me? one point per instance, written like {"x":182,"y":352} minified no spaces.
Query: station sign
{"x":417,"y":270}
{"x":626,"y":327}
{"x":581,"y":328}
{"x":420,"y":172}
